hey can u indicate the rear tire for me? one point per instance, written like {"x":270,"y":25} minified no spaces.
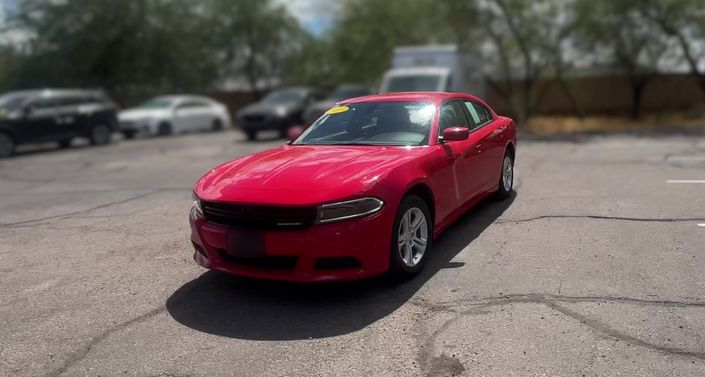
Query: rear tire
{"x":63,"y":144}
{"x":129,"y":134}
{"x":251,"y":135}
{"x":412,"y":238}
{"x":217,"y":125}
{"x":7,"y":145}
{"x":164,"y":129}
{"x":506,"y":177}
{"x":100,"y":134}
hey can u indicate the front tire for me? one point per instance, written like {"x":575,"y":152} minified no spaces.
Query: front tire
{"x":251,"y":135}
{"x":412,"y":238}
{"x":100,"y":134}
{"x":164,"y":129}
{"x":506,"y":178}
{"x":7,"y":145}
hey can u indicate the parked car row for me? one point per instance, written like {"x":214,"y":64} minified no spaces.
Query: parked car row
{"x":61,"y":115}
{"x":50,"y":115}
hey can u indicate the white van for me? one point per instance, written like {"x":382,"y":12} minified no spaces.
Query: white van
{"x":435,"y":68}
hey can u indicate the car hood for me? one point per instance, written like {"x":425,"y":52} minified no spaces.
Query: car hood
{"x":136,"y":113}
{"x":301,"y":175}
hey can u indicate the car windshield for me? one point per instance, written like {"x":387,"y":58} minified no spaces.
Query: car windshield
{"x":157,"y":103}
{"x":372,"y":123}
{"x":417,"y":83}
{"x":285,"y":96}
{"x":12,"y":102}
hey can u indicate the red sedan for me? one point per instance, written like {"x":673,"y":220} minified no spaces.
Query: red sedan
{"x":362,"y":191}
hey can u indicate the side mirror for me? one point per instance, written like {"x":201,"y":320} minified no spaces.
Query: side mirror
{"x":455,"y":134}
{"x":294,"y":132}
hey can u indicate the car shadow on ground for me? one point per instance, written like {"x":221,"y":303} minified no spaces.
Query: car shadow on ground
{"x":234,"y":307}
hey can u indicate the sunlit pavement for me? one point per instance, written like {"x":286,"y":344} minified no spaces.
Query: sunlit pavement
{"x":595,"y":267}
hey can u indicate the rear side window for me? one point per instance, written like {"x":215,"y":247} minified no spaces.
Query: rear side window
{"x":193,"y":104}
{"x":452,"y":115}
{"x":78,"y":100}
{"x":47,"y":102}
{"x":479,"y":114}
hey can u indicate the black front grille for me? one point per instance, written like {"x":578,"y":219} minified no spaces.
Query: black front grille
{"x":259,"y":217}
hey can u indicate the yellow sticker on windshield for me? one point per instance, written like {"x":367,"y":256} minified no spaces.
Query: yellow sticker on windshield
{"x":337,"y":110}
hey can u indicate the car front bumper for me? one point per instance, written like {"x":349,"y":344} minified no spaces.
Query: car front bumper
{"x":145,"y":126}
{"x":346,"y":250}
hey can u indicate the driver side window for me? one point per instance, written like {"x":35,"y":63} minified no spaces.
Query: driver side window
{"x":46,"y":103}
{"x":452,"y":115}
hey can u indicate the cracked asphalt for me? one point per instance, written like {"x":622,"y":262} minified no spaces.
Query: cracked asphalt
{"x":596,"y":267}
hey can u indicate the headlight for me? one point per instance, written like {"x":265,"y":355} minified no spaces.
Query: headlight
{"x":197,"y":204}
{"x":280,"y":111}
{"x":350,"y":209}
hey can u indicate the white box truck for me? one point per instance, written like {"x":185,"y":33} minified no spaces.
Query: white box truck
{"x":435,"y":68}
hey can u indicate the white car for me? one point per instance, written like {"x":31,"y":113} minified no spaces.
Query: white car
{"x":167,"y":115}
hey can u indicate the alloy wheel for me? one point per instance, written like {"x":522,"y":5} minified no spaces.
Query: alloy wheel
{"x":100,"y":134}
{"x":412,"y":237}
{"x":7,"y":145}
{"x":507,"y":173}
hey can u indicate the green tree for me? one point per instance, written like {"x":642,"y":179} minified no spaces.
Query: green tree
{"x":528,"y":40}
{"x":254,"y":39}
{"x":684,"y":22}
{"x":618,"y":33}
{"x":366,"y":31}
{"x":131,"y":48}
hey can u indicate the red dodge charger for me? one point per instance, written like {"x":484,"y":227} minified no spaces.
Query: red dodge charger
{"x":362,"y":191}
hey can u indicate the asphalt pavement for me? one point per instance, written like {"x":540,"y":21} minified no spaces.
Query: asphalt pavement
{"x":596,"y":267}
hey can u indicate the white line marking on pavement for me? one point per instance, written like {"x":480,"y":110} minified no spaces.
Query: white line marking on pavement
{"x":702,"y":225}
{"x":686,"y":181}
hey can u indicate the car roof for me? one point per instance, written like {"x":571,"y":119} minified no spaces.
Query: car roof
{"x":181,"y":97}
{"x":412,"y":96}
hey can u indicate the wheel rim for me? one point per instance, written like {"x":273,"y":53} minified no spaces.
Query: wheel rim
{"x":101,"y":134}
{"x":6,"y":146}
{"x":412,"y":237}
{"x":507,"y":173}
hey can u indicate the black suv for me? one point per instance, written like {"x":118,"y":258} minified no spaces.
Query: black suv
{"x":37,"y":116}
{"x":279,"y":110}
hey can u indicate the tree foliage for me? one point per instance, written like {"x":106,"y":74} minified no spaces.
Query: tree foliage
{"x":621,"y":37}
{"x":135,"y":48}
{"x":253,"y":38}
{"x":360,"y":45}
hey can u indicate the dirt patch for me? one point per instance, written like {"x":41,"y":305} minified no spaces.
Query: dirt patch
{"x":551,"y":125}
{"x":445,"y":365}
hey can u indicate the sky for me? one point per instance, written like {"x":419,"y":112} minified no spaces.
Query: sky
{"x":314,"y":15}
